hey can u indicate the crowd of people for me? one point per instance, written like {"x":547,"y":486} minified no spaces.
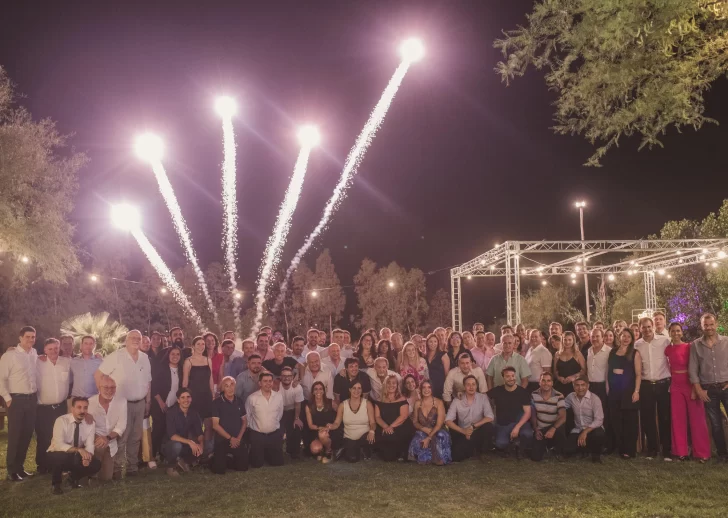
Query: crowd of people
{"x":434,"y":399}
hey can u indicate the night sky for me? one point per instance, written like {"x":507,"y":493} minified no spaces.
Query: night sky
{"x":461,"y":162}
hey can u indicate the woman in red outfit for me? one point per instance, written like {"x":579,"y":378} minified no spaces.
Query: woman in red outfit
{"x":685,"y":406}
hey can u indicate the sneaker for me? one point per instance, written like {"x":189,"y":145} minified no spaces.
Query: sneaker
{"x":172,"y":472}
{"x":152,"y":465}
{"x":667,"y":459}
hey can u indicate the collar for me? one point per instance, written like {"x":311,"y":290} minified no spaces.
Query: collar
{"x":586,"y":396}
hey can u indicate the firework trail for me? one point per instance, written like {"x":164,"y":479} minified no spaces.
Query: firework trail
{"x":283,"y":224}
{"x":182,"y":231}
{"x":167,"y":277}
{"x":350,"y":167}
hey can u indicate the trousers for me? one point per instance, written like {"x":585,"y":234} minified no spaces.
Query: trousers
{"x":655,"y":408}
{"x":130,"y":441}
{"x":687,"y":412}
{"x":21,"y":422}
{"x":45,"y":418}
{"x":61,"y":461}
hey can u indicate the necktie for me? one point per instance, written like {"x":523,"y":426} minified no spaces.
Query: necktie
{"x":75,"y":434}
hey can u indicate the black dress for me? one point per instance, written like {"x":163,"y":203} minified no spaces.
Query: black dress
{"x":393,"y":446}
{"x":623,"y":413}
{"x":322,"y":418}
{"x":199,"y":385}
{"x":564,"y":370}
{"x":436,"y":370}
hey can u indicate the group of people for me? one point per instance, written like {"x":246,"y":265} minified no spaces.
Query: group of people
{"x":433,"y":399}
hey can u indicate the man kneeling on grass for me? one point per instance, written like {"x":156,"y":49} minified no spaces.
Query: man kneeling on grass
{"x":588,"y":433}
{"x":185,"y":440}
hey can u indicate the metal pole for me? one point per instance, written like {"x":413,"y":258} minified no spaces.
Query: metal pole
{"x":586,"y":277}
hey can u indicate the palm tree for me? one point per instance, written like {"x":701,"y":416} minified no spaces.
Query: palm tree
{"x":109,"y":335}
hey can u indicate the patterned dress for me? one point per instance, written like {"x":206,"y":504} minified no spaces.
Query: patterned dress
{"x":439,"y":451}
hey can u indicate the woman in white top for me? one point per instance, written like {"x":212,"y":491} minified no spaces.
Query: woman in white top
{"x":357,"y":416}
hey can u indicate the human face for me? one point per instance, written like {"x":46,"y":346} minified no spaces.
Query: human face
{"x":347,"y":339}
{"x":676,"y":334}
{"x":79,"y":410}
{"x":184,"y":400}
{"x":318,"y":392}
{"x":426,"y":389}
{"x":411,"y":385}
{"x":507,"y":343}
{"x":506,"y":331}
{"x":709,"y":326}
{"x":582,"y":332}
{"x":279,"y":352}
{"x":335,"y":352}
{"x":266,"y":384}
{"x":521,"y":330}
{"x":88,"y":346}
{"x":464,"y":364}
{"x":229,"y":335}
{"x":297,"y":347}
{"x":509,"y":377}
{"x":255,"y":365}
{"x":52,"y":350}
{"x":636,"y":330}
{"x":227,"y":349}
{"x":248,"y":348}
{"x":178,"y":338}
{"x":455,"y":341}
{"x":133,"y":341}
{"x":366,"y":342}
{"x":599,"y":325}
{"x":210,"y":344}
{"x":546,"y":383}
{"x":609,"y":338}
{"x":647,"y":330}
{"x":490,"y":340}
{"x":107,"y":388}
{"x":478,"y":328}
{"x":468,"y":340}
{"x":312,"y":338}
{"x":580,"y":387}
{"x":385,"y":334}
{"x":355,"y":391}
{"x":277,"y":337}
{"x":322,"y":338}
{"x":480,"y":340}
{"x":597,"y":337}
{"x":625,"y":338}
{"x":263,"y":342}
{"x":470,"y":387}
{"x":174,"y":357}
{"x":156,"y":341}
{"x":352,"y":369}
{"x":314,"y":362}
{"x":27,"y":340}
{"x":432,"y":343}
{"x":534,"y":339}
{"x":287,"y":378}
{"x":67,"y":347}
{"x":199,"y":346}
{"x":411,"y":352}
{"x":555,"y":329}
{"x":397,"y":342}
{"x":228,"y":388}
{"x":441,"y":334}
{"x":659,"y":322}
{"x":568,"y":342}
{"x":146,"y":344}
{"x":391,"y":385}
{"x":337,"y":338}
{"x":381,"y":368}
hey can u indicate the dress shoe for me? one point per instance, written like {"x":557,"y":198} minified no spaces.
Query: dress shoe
{"x":15,"y":477}
{"x":74,"y":484}
{"x":25,"y":474}
{"x":57,"y":490}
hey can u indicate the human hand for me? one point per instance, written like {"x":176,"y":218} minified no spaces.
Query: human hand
{"x":163,"y":407}
{"x":582,"y":439}
{"x":298,"y":424}
{"x":89,"y":419}
{"x":370,"y":437}
{"x":295,"y":383}
{"x":704,"y":395}
{"x":550,"y":433}
{"x":234,"y":442}
{"x":426,"y":430}
{"x":635,"y":396}
{"x":468,"y":432}
{"x":389,"y":430}
{"x":538,"y":435}
{"x":86,"y":456}
{"x":514,"y":433}
{"x":196,"y":449}
{"x":426,"y":442}
{"x":101,"y":442}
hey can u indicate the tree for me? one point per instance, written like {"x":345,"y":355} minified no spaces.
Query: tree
{"x":622,"y":67}
{"x":318,"y":299}
{"x":109,"y":335}
{"x":440,"y":312}
{"x":38,"y":186}
{"x":391,"y":296}
{"x":550,"y":304}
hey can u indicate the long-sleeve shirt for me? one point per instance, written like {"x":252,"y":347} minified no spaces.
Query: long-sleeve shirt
{"x":63,"y":431}
{"x":53,"y":381}
{"x":588,"y":411}
{"x":454,"y":382}
{"x":112,"y":421}
{"x":82,"y":376}
{"x":709,"y":364}
{"x":465,"y":414}
{"x":18,"y":372}
{"x":264,"y":415}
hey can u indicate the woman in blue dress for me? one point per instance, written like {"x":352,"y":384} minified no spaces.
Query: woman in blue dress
{"x":431,"y":443}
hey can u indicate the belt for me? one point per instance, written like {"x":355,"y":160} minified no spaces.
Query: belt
{"x":719,"y":384}
{"x":657,"y":382}
{"x":137,"y":401}
{"x":22,"y":396}
{"x":52,"y":406}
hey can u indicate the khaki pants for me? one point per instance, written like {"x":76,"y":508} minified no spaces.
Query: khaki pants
{"x":130,"y":441}
{"x":107,"y":463}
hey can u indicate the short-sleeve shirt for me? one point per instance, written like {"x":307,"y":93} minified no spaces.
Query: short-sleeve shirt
{"x":547,"y":410}
{"x":509,"y":405}
{"x":498,"y":363}
{"x":132,"y":377}
{"x":291,"y":396}
{"x":342,"y":384}
{"x":538,"y":359}
{"x":275,"y":369}
{"x":230,"y":413}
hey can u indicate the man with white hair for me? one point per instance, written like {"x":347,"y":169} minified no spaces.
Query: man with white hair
{"x":312,"y":372}
{"x":334,"y":361}
{"x":378,"y":375}
{"x":132,"y":372}
{"x":109,"y":413}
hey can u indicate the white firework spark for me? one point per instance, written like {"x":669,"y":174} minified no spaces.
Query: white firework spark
{"x":350,"y":167}
{"x":167,"y":277}
{"x":309,"y":138}
{"x":229,"y":205}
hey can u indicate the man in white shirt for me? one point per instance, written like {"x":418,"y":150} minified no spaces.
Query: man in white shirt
{"x":454,"y":381}
{"x":265,"y":410}
{"x":337,"y":337}
{"x":658,"y":317}
{"x":293,"y":412}
{"x":297,"y":352}
{"x":314,"y":371}
{"x":597,"y":366}
{"x":312,"y":343}
{"x":334,"y":362}
{"x":52,"y":378}
{"x":539,"y":360}
{"x":378,"y":376}
{"x":131,"y":370}
{"x":654,"y":389}
{"x":109,"y":413}
{"x":72,"y":447}
{"x":18,"y":388}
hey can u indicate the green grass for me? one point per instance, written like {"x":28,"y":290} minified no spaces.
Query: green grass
{"x":502,"y":487}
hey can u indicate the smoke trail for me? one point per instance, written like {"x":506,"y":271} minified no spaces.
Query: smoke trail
{"x":350,"y":167}
{"x":280,"y":232}
{"x":182,"y":231}
{"x":229,"y":205}
{"x":167,"y":277}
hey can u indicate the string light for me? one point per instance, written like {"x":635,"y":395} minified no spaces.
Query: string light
{"x":94,"y":278}
{"x":611,"y":277}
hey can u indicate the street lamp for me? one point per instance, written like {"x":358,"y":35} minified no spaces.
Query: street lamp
{"x":391,"y":284}
{"x":581,"y":205}
{"x":314,"y":294}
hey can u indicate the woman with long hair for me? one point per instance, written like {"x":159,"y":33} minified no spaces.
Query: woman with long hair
{"x":197,"y":377}
{"x":412,"y":364}
{"x":394,"y":428}
{"x":366,"y":352}
{"x":320,"y":414}
{"x":410,"y":390}
{"x":357,"y":416}
{"x":468,"y":340}
{"x":455,"y":347}
{"x":610,"y":339}
{"x":384,"y":350}
{"x":624,"y":376}
{"x":569,"y":364}
{"x":438,"y":363}
{"x":431,"y":443}
{"x":214,"y":353}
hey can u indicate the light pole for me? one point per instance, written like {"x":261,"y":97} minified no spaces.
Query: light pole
{"x":580,"y":205}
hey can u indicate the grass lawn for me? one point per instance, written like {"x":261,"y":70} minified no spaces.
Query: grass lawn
{"x":502,"y":487}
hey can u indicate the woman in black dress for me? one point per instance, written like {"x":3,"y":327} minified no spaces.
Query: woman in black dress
{"x":569,"y":364}
{"x":394,"y":428}
{"x":320,"y":414}
{"x":438,"y":364}
{"x":197,"y":376}
{"x":623,"y":377}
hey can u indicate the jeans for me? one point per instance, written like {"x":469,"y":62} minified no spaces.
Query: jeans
{"x":712,"y":408}
{"x":556,"y":442}
{"x":503,"y":435}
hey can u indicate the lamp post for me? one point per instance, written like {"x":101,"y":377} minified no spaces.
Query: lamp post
{"x":581,"y":205}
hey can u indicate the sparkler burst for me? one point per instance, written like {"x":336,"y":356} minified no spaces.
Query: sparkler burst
{"x":350,"y":166}
{"x":308,"y":137}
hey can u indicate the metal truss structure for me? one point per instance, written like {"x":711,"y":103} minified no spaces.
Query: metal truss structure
{"x":544,"y":259}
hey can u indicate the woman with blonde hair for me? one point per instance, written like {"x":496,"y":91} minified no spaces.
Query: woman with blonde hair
{"x":413,"y":364}
{"x":569,"y":364}
{"x":394,"y":428}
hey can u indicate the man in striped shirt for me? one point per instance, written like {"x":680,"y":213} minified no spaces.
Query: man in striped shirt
{"x":547,"y":419}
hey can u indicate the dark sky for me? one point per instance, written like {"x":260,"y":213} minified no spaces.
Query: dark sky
{"x":462,"y":161}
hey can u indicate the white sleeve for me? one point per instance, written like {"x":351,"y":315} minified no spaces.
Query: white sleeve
{"x":4,"y":375}
{"x":108,"y":365}
{"x":89,"y":445}
{"x":58,"y":428}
